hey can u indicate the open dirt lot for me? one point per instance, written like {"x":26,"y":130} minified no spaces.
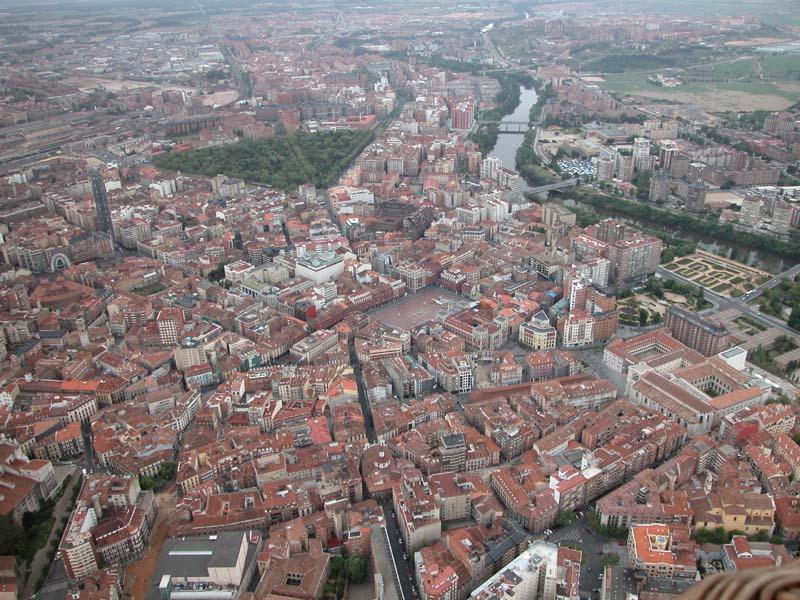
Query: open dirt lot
{"x":139,"y":573}
{"x":722,"y":100}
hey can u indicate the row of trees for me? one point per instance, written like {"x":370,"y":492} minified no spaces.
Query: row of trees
{"x":283,"y":161}
{"x":718,"y":535}
{"x":668,"y":219}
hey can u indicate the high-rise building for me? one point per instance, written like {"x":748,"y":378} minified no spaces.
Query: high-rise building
{"x":751,"y":211}
{"x":101,"y":201}
{"x":611,"y":230}
{"x":779,"y":123}
{"x":604,"y":169}
{"x":633,"y":260}
{"x":490,"y":166}
{"x":641,"y":148}
{"x":659,"y":187}
{"x":647,"y":164}
{"x":463,"y":114}
{"x":696,"y":198}
{"x":680,"y":165}
{"x":625,"y":167}
{"x":666,"y":154}
{"x":695,"y":331}
{"x":781,"y":217}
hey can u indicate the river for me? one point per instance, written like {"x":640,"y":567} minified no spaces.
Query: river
{"x":760,"y":259}
{"x":506,"y":150}
{"x":507,"y":143}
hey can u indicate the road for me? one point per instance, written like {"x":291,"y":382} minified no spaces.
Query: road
{"x":496,"y":55}
{"x":407,"y":585}
{"x":559,"y":185}
{"x":790,"y":273}
{"x":724,"y":302}
{"x":592,"y":546}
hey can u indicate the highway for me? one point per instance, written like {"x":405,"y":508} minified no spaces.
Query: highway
{"x":725,"y":302}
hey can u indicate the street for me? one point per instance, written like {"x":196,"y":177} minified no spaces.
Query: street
{"x":725,"y":302}
{"x":396,"y":542}
{"x":593,"y":546}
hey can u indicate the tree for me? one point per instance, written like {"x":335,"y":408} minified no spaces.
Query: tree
{"x":337,"y":564}
{"x":794,"y":317}
{"x":565,"y":517}
{"x":711,"y":536}
{"x":13,"y":536}
{"x":656,"y":318}
{"x":610,"y":560}
{"x":643,"y":316}
{"x":217,"y":274}
{"x":357,"y":569}
{"x":340,"y":588}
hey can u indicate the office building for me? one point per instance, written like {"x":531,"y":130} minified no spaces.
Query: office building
{"x":320,"y":267}
{"x":538,"y":333}
{"x":662,"y":551}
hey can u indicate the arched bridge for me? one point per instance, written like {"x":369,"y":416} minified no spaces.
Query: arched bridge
{"x":509,"y":126}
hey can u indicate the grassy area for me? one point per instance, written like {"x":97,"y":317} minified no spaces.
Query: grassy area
{"x":149,"y":290}
{"x":635,"y":83}
{"x":766,"y":358}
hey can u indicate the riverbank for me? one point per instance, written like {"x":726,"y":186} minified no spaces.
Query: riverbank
{"x":665,"y":219}
{"x":507,"y":101}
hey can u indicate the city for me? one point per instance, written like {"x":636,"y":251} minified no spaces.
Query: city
{"x":404,"y":301}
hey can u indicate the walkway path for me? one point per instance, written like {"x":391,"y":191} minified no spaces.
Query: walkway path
{"x":41,"y":559}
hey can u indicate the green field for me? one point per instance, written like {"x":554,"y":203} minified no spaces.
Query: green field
{"x":736,"y":91}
